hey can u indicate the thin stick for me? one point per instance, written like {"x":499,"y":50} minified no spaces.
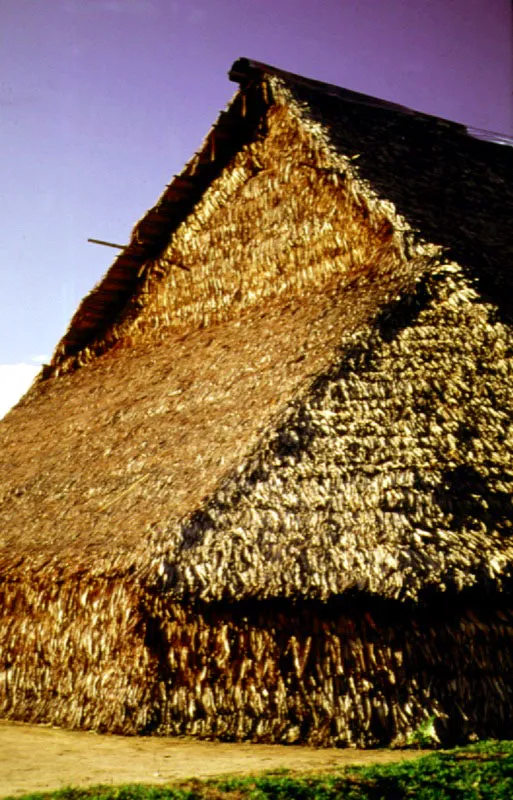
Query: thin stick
{"x":107,"y":244}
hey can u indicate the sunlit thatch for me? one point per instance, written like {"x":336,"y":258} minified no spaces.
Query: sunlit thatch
{"x":264,"y":489}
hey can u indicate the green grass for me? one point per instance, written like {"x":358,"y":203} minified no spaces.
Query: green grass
{"x":481,"y":771}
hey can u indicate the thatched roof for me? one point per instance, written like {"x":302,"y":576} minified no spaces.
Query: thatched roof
{"x":297,"y":378}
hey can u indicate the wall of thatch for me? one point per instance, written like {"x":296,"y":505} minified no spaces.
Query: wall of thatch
{"x":392,"y":473}
{"x":351,"y":672}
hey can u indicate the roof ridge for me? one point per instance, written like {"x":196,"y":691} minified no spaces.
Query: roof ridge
{"x":245,"y":69}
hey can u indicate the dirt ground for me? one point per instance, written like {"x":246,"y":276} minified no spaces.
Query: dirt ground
{"x":37,"y":758}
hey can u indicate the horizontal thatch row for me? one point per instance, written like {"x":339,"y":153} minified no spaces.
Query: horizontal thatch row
{"x":359,"y":673}
{"x":376,"y":476}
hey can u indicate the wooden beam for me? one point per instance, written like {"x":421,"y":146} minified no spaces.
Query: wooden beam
{"x":107,"y":244}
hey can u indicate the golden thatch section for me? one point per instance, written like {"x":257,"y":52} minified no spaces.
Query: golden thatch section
{"x":281,"y":222}
{"x":73,"y":653}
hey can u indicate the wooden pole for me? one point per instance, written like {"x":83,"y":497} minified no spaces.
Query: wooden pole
{"x":108,"y":244}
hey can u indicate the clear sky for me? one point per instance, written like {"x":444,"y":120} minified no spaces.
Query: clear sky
{"x":102,"y":101}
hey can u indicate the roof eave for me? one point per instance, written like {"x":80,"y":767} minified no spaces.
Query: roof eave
{"x":235,"y":126}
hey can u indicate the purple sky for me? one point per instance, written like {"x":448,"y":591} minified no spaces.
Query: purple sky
{"x":102,"y":101}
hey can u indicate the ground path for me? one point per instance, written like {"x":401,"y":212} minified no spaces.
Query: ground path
{"x":38,"y":758}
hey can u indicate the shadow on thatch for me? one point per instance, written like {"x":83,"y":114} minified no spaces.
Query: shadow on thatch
{"x":467,"y":495}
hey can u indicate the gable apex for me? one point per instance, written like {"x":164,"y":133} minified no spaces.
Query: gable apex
{"x":422,"y":166}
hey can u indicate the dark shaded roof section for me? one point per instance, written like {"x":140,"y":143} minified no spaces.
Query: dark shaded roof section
{"x":452,"y":189}
{"x":245,"y":70}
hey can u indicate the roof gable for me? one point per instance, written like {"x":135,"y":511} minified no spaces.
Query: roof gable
{"x":441,"y":185}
